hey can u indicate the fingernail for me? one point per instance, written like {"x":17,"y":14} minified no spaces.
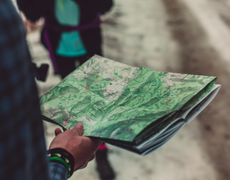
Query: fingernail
{"x":80,"y":126}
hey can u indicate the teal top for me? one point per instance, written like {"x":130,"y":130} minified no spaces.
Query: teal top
{"x":67,"y":13}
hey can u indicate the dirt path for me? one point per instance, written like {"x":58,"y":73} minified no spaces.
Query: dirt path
{"x":198,"y":56}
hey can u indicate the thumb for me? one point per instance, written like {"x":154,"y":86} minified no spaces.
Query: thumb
{"x":79,"y":128}
{"x":57,"y":131}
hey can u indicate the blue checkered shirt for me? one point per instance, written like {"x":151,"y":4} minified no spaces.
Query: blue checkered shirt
{"x":58,"y":171}
{"x":22,"y":142}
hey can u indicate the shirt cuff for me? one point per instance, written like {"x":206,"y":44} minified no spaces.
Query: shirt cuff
{"x":57,"y":171}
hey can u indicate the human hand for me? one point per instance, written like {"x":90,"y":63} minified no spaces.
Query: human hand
{"x":32,"y":26}
{"x":82,"y":148}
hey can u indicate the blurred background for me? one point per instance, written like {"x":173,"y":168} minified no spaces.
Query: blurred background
{"x":181,"y":36}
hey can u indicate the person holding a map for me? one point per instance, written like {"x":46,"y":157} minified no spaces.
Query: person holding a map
{"x":71,"y":33}
{"x":22,"y":143}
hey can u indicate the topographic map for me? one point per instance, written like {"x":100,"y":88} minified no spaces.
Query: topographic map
{"x":117,"y":101}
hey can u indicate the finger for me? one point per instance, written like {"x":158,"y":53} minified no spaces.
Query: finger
{"x":83,"y":166}
{"x":57,"y":131}
{"x":92,"y":157}
{"x":98,"y":142}
{"x":92,"y":144}
{"x":95,"y":144}
{"x":86,"y":162}
{"x":79,"y":129}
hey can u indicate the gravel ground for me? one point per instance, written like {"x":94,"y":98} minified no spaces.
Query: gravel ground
{"x":168,"y":35}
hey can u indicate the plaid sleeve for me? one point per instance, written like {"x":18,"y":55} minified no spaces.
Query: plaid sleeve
{"x":57,"y":171}
{"x":22,"y":142}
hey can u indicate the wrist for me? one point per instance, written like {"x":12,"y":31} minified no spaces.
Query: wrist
{"x":63,"y":157}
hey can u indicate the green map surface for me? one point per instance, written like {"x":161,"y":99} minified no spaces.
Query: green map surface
{"x":117,"y":101}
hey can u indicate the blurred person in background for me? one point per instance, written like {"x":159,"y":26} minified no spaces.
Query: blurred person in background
{"x":71,"y":29}
{"x":23,"y":153}
{"x":71,"y":33}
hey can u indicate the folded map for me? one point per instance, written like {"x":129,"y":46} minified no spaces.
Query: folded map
{"x":137,"y":109}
